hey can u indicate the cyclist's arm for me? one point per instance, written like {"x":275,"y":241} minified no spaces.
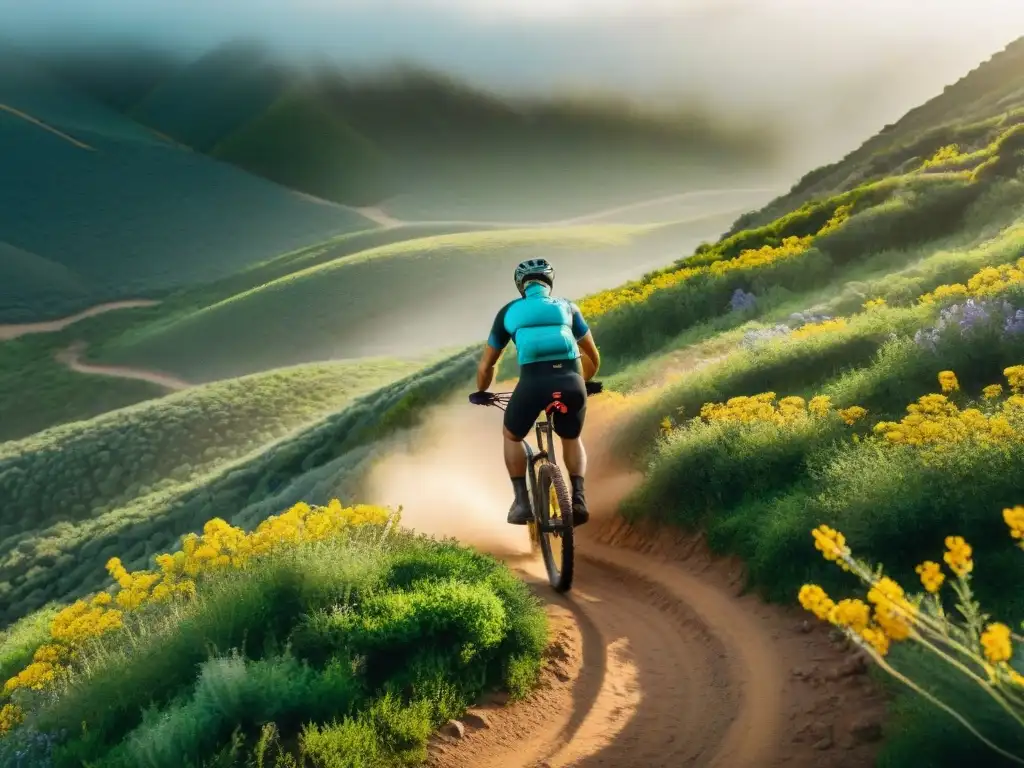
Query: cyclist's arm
{"x":485,"y":369}
{"x":496,"y":343}
{"x":591,"y":358}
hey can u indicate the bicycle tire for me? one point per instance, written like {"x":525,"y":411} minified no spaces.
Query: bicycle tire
{"x":531,"y":478}
{"x":560,"y":545}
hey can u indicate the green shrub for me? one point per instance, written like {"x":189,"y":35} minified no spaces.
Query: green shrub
{"x":312,"y":652}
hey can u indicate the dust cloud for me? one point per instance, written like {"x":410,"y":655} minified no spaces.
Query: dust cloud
{"x":450,"y":480}
{"x":449,"y":477}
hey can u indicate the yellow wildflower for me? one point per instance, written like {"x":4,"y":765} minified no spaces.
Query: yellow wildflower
{"x":36,"y":676}
{"x":1015,"y":376}
{"x":948,"y":382}
{"x":877,"y":639}
{"x":831,"y":543}
{"x":50,"y":654}
{"x":814,"y":599}
{"x":853,"y":414}
{"x":871,"y":304}
{"x":1014,"y":518}
{"x":931,"y":575}
{"x":893,"y":613}
{"x":958,"y":556}
{"x":992,"y":391}
{"x":820,"y":405}
{"x":851,"y":613}
{"x":825,"y":326}
{"x":995,"y":641}
{"x":10,"y":717}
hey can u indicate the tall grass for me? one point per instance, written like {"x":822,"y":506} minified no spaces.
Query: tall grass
{"x":348,"y":650}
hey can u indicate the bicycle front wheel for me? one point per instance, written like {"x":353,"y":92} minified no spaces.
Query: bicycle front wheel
{"x":556,"y":545}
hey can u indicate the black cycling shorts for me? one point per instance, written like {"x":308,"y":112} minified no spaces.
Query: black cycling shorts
{"x":539,"y":385}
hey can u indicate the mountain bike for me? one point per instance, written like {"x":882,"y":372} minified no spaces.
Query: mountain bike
{"x":551,"y":530}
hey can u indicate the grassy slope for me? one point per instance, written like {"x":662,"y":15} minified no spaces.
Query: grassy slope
{"x":300,"y":143}
{"x":134,"y":215}
{"x":424,"y":629}
{"x":758,"y":490}
{"x":62,"y":553}
{"x":223,"y":90}
{"x":37,"y":392}
{"x":969,"y":112}
{"x":394,"y":299}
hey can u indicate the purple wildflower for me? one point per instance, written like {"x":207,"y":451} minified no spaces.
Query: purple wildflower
{"x":742,"y":301}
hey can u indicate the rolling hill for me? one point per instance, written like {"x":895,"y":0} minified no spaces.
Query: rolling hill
{"x":971,"y":113}
{"x":231,"y":449}
{"x":202,"y":103}
{"x":129,"y":464}
{"x":117,"y":212}
{"x":399,"y":299}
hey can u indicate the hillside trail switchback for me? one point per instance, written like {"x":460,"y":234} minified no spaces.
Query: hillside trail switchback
{"x":72,"y":358}
{"x":656,"y":658}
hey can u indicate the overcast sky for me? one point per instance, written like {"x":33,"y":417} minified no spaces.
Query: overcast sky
{"x":841,"y":65}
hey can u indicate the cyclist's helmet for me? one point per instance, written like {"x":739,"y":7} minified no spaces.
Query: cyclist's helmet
{"x":534,"y":269}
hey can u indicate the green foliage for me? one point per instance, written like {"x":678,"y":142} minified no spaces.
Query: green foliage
{"x":759,"y":489}
{"x":971,"y":113}
{"x":19,"y":641}
{"x":930,"y":213}
{"x":919,"y":734}
{"x":317,"y":654}
{"x":37,"y":392}
{"x":73,"y":472}
{"x":63,"y":556}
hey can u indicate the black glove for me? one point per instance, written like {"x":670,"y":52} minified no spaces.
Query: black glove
{"x":481,"y":398}
{"x":594,"y":387}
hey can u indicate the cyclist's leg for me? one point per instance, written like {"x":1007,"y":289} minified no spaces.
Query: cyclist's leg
{"x":520,"y":415}
{"x":569,"y":427}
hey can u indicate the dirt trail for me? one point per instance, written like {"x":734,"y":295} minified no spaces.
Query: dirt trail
{"x":40,"y":124}
{"x":9,"y":332}
{"x":657,"y":659}
{"x":71,"y":357}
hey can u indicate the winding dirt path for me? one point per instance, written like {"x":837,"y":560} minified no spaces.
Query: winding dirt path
{"x":657,"y":659}
{"x":14,"y":331}
{"x":72,"y":358}
{"x":655,"y":663}
{"x":40,"y":124}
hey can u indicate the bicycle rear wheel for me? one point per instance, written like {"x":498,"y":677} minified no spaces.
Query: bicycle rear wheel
{"x":556,"y":546}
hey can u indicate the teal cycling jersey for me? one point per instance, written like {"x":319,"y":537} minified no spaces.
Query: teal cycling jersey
{"x":544,"y":328}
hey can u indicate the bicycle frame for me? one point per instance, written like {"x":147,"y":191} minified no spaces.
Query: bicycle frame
{"x":534,"y":458}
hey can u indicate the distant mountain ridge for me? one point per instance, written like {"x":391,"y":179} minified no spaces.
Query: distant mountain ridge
{"x":357,"y":140}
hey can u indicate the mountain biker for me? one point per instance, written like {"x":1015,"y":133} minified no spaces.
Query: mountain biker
{"x":557,"y":356}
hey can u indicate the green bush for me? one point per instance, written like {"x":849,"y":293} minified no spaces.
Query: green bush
{"x":314,"y":652}
{"x":63,"y":559}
